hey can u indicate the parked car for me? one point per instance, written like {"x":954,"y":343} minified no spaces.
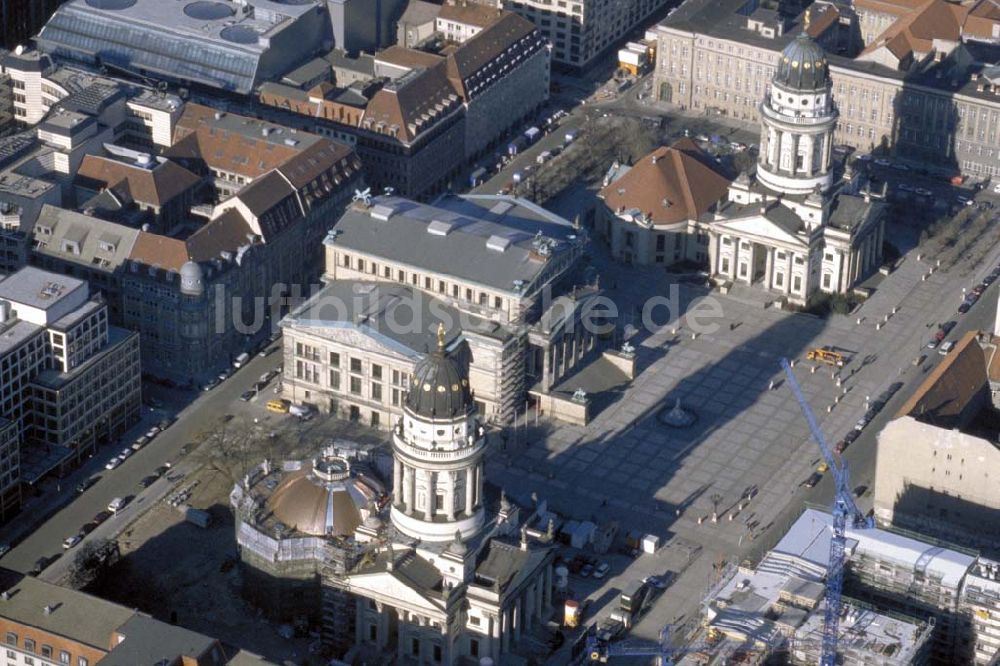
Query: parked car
{"x":964,"y":307}
{"x":933,"y":342}
{"x":587,"y":570}
{"x":147,"y":481}
{"x":840,"y":446}
{"x":602,"y":570}
{"x":161,"y":470}
{"x":979,"y":289}
{"x":945,"y":328}
{"x":87,"y":483}
{"x":100,"y":517}
{"x":851,"y":436}
{"x":812,"y":480}
{"x":152,"y":432}
{"x":166,"y":422}
{"x":4,"y":549}
{"x":117,"y":504}
{"x":659,"y":582}
{"x":211,"y":384}
{"x":946,"y":348}
{"x":124,"y":454}
{"x":141,"y":442}
{"x":114,"y":462}
{"x":895,"y":386}
{"x":71,"y":541}
{"x":247,"y":396}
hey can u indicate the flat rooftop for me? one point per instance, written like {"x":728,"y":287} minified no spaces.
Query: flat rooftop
{"x":500,"y":242}
{"x":39,"y":289}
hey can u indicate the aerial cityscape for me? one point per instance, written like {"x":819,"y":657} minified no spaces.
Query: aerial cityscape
{"x":499,"y":332}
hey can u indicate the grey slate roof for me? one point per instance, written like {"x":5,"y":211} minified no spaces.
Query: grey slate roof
{"x":75,"y":615}
{"x":486,"y":240}
{"x":65,"y":223}
{"x":149,"y":642}
{"x":506,"y":565}
{"x":849,"y":211}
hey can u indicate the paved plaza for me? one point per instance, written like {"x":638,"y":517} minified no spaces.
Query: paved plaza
{"x":628,"y":466}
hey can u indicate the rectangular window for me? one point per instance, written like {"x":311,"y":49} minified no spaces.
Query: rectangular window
{"x":372,"y":632}
{"x":437,"y":653}
{"x":356,"y":385}
{"x":497,"y":302}
{"x":797,"y":284}
{"x":11,"y":638}
{"x":475,"y":620}
{"x":335,"y":379}
{"x":395,"y":397}
{"x":82,"y":661}
{"x":29,"y":645}
{"x":415,"y":647}
{"x":826,"y":281}
{"x":375,"y":419}
{"x":334,"y":360}
{"x":376,"y":392}
{"x":376,"y":371}
{"x":401,"y":276}
{"x":47,"y":651}
{"x":356,"y":365}
{"x":473,"y":647}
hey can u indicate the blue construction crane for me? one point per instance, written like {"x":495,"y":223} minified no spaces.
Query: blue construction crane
{"x":844,"y":510}
{"x":601,"y":651}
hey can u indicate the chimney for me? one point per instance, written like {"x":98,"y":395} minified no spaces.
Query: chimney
{"x":524,"y":537}
{"x":47,"y":610}
{"x":5,"y":595}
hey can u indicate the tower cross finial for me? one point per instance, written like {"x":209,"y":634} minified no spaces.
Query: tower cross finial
{"x":440,"y":336}
{"x":808,"y":17}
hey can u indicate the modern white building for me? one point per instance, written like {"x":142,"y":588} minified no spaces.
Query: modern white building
{"x":70,"y":381}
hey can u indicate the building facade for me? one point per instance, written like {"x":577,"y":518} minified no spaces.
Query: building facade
{"x":789,"y":229}
{"x":581,"y":30}
{"x":72,"y":381}
{"x":938,"y":106}
{"x":504,"y":285}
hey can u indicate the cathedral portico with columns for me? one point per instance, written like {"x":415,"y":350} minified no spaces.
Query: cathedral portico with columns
{"x":792,"y":228}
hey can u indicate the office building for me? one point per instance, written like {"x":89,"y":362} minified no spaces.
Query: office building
{"x":581,"y":30}
{"x":220,"y":46}
{"x":199,"y":249}
{"x":924,"y":88}
{"x":42,"y":623}
{"x":438,"y":571}
{"x":415,"y":132}
{"x":72,"y":382}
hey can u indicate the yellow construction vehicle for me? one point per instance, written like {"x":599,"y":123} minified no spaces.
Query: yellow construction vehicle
{"x":826,"y":355}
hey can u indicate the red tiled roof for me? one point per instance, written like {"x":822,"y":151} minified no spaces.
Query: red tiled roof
{"x":155,"y":186}
{"x":670,"y":185}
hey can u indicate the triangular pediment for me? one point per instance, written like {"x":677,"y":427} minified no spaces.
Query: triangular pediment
{"x":384,"y":586}
{"x":759,"y":227}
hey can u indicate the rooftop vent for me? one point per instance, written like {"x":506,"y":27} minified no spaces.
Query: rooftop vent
{"x":382,"y":212}
{"x":497,"y":243}
{"x":47,"y":610}
{"x":440,"y":227}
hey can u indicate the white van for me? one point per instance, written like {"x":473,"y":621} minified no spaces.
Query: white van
{"x":117,"y":504}
{"x":241,"y":360}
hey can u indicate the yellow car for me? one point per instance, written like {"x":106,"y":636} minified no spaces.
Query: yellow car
{"x":823,"y":467}
{"x":277,"y":406}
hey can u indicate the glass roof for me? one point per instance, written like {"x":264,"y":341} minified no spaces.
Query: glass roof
{"x":81,"y":36}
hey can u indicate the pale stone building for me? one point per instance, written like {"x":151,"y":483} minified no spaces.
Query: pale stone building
{"x":934,"y":101}
{"x":791,"y":230}
{"x":499,"y":271}
{"x":936,"y":460}
{"x":446,"y":575}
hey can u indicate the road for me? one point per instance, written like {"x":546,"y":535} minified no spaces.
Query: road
{"x":201,"y":414}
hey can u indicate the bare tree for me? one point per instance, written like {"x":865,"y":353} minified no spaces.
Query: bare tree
{"x":92,"y":560}
{"x":235,"y":446}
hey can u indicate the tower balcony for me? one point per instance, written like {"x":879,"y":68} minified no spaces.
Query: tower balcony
{"x":445,"y":456}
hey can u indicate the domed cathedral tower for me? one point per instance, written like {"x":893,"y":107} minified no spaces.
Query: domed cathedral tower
{"x":798,"y":120}
{"x":438,"y":448}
